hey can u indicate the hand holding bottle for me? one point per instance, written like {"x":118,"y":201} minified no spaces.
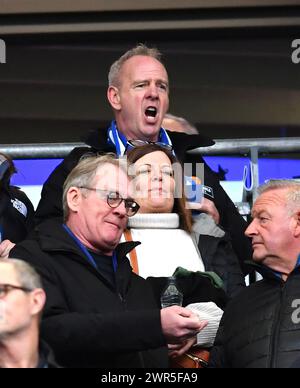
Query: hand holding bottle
{"x":171,"y":295}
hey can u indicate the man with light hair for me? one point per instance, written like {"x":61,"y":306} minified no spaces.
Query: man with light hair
{"x":22,"y":299}
{"x":99,"y":313}
{"x":261,"y":327}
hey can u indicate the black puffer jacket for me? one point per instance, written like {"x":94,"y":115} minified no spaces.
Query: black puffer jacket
{"x":261,"y":327}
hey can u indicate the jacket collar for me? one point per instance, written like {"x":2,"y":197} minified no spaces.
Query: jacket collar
{"x":97,"y":139}
{"x":46,"y":357}
{"x":53,"y":238}
{"x":263,"y":270}
{"x":268,"y":273}
{"x":123,"y":249}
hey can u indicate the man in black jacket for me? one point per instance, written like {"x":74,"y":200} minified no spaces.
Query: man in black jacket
{"x":21,"y":303}
{"x":16,"y":210}
{"x":98,"y":312}
{"x":261,"y":326}
{"x":138,"y":93}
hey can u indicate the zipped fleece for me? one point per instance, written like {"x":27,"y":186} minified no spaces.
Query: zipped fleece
{"x":86,"y":321}
{"x":258,"y":328}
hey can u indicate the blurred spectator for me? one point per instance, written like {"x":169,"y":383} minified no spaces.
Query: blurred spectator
{"x":178,"y":124}
{"x":16,"y":210}
{"x":21,"y":303}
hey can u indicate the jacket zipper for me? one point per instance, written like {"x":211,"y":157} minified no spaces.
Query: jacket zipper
{"x":122,"y":299}
{"x":120,"y":295}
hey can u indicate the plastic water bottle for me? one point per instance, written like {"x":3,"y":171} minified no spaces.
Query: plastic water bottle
{"x":171,"y":296}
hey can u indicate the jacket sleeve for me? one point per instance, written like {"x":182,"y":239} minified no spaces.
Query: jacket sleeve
{"x":83,"y":337}
{"x":29,"y":221}
{"x":218,"y":256}
{"x":16,"y":218}
{"x":218,"y":354}
{"x":230,"y":219}
{"x":50,"y":205}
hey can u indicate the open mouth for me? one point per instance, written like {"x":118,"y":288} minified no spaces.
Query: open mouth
{"x":151,"y":111}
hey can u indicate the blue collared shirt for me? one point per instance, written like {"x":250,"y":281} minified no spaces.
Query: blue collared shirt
{"x":279,"y":274}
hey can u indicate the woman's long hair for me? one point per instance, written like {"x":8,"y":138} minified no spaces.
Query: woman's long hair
{"x":185,"y":215}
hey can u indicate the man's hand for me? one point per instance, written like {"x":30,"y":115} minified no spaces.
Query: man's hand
{"x":179,"y":349}
{"x":206,"y":206}
{"x":5,"y":248}
{"x":179,"y":324}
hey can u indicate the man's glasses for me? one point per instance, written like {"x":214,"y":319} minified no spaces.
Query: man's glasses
{"x":140,"y":143}
{"x":114,"y":200}
{"x":6,"y":288}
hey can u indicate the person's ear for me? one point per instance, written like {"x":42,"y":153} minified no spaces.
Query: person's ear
{"x":113,"y":97}
{"x":38,"y":300}
{"x":297,"y":227}
{"x":74,"y":198}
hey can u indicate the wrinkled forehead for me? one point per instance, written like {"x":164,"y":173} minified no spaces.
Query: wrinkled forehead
{"x":144,"y":67}
{"x":111,"y":177}
{"x":7,"y":273}
{"x":271,"y":200}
